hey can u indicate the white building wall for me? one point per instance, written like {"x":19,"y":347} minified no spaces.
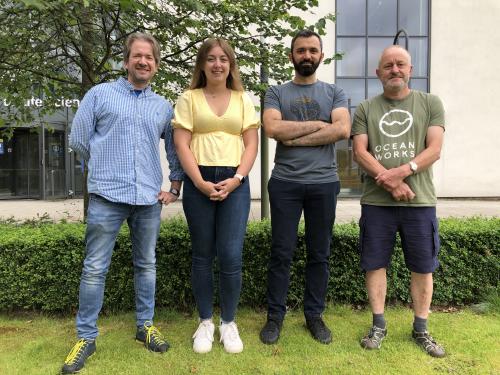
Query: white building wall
{"x":464,"y":53}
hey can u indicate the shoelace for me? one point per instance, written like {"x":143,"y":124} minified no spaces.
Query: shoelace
{"x":427,"y":341}
{"x":76,"y":352}
{"x":271,"y":325}
{"x":376,"y":332}
{"x":204,"y":331}
{"x":231,"y":331}
{"x":153,"y":334}
{"x":318,"y":324}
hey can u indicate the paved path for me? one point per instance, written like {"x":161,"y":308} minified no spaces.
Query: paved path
{"x":348,"y":209}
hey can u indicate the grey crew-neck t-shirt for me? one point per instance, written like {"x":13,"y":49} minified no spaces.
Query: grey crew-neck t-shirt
{"x":310,"y":164}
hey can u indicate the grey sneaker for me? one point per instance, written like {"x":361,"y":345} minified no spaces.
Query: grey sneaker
{"x":373,"y":340}
{"x":426,"y":342}
{"x":75,"y":360}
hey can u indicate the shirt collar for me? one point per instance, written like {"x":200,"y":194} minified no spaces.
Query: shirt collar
{"x":124,"y":83}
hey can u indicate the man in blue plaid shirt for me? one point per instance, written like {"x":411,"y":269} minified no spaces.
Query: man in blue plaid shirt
{"x":117,"y":130}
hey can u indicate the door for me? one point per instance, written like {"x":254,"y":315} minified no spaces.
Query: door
{"x":54,"y":164}
{"x":19,"y":165}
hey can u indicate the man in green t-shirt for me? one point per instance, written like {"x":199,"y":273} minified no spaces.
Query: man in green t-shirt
{"x":397,"y":137}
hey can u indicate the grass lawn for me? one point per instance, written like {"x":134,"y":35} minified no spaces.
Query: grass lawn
{"x":36,"y":344}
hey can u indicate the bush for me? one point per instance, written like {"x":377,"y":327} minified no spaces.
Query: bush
{"x":40,"y":266}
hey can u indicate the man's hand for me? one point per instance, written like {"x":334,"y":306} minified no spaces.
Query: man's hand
{"x":402,"y":193}
{"x":166,"y":197}
{"x":390,"y":179}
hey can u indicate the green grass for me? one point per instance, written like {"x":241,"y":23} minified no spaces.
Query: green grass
{"x":36,"y":344}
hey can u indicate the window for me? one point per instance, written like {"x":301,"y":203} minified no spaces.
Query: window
{"x":363,"y":29}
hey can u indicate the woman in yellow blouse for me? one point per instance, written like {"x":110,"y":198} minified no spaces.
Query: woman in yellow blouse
{"x":216,"y":140}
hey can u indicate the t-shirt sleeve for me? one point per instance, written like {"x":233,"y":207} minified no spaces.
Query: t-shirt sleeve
{"x":359,"y":123}
{"x":183,"y":113}
{"x":340,"y":98}
{"x":272,"y":100}
{"x":250,"y":118}
{"x":437,"y":111}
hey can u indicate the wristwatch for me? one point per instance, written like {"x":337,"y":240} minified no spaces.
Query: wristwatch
{"x":240,"y":177}
{"x":413,"y":167}
{"x":174,"y":191}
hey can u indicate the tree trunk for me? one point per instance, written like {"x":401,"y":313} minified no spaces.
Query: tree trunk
{"x":88,"y":76}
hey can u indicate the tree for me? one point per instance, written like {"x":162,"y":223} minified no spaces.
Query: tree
{"x":61,"y":48}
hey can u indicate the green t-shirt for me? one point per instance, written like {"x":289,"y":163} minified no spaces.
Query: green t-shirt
{"x":396,"y":132}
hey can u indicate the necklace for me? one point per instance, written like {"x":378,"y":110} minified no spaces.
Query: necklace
{"x":213,"y":95}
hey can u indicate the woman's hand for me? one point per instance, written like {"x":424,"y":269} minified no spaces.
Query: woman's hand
{"x":224,"y":188}
{"x":207,"y":188}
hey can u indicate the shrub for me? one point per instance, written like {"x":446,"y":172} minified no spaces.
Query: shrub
{"x":40,"y":266}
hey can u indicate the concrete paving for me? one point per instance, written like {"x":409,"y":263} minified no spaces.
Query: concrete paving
{"x":348,"y":209}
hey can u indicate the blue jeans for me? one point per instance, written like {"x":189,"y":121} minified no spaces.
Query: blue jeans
{"x":104,"y":219}
{"x":217,"y":229}
{"x":319,"y":202}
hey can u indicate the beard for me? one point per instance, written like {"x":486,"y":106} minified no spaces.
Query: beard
{"x":392,"y":86}
{"x":305,"y":68}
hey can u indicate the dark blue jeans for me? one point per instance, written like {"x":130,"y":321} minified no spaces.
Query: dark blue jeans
{"x":217,"y":229}
{"x":103,"y":224}
{"x":287,"y":200}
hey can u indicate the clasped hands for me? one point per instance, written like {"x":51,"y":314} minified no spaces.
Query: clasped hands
{"x":392,"y":180}
{"x":220,"y":190}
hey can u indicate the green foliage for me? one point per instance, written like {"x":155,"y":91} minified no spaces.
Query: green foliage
{"x":40,"y":266}
{"x":490,"y":304}
{"x":58,"y":48}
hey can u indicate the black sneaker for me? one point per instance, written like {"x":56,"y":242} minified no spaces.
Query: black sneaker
{"x":270,"y":333}
{"x":152,"y":338}
{"x":373,"y":340}
{"x":319,"y":330}
{"x":426,"y":342}
{"x":75,"y":360}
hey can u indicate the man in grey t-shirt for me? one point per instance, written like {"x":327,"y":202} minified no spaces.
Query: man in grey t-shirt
{"x":306,"y":117}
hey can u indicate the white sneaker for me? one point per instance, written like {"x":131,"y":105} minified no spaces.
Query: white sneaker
{"x":203,"y":337}
{"x":230,"y":337}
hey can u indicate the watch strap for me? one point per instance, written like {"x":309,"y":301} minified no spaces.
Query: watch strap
{"x":174,"y":191}
{"x":240,"y":177}
{"x":413,"y":167}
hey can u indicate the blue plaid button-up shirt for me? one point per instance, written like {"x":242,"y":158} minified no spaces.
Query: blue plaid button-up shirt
{"x":118,"y":132}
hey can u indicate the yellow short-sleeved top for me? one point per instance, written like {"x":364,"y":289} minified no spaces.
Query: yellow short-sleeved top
{"x":216,"y":140}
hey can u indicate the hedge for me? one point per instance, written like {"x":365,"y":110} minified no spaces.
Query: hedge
{"x":40,"y":266}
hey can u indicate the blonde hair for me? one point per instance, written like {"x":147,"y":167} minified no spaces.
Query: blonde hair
{"x":199,"y":79}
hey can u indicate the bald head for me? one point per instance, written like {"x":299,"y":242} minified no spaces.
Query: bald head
{"x":394,"y":49}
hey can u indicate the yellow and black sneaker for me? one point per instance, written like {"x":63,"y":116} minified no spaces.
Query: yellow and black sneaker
{"x":152,"y":338}
{"x":75,"y":360}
